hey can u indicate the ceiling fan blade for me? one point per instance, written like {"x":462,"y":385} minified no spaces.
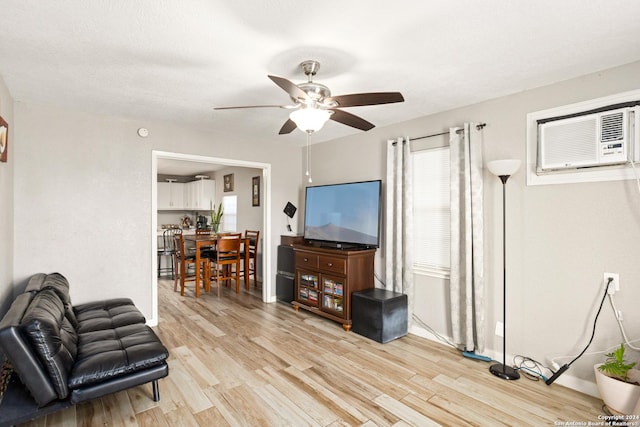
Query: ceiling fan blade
{"x":287,"y":127}
{"x":257,"y":106}
{"x":371,"y":98}
{"x":294,"y":91}
{"x":350,"y":120}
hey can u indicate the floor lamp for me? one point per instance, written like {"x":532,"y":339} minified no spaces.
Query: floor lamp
{"x":503,"y":169}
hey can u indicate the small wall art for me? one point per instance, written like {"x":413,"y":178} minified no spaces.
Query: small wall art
{"x":255,"y":191}
{"x":228,"y":182}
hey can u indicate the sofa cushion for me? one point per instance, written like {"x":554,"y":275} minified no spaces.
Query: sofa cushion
{"x":55,"y":281}
{"x":17,"y":349}
{"x":59,"y":284}
{"x":111,"y":353}
{"x":52,"y":337}
{"x":109,"y":314}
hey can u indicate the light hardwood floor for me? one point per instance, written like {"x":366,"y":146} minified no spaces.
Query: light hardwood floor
{"x":236,"y":361}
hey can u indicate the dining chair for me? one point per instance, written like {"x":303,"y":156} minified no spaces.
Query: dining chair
{"x":167,"y":250}
{"x":249,"y":260}
{"x":203,"y":232}
{"x":229,"y":234}
{"x":203,"y":263}
{"x":183,"y":260}
{"x":226,"y":265}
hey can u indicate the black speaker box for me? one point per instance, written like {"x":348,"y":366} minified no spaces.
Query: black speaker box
{"x":379,"y":314}
{"x":286,"y":259}
{"x":284,"y":287}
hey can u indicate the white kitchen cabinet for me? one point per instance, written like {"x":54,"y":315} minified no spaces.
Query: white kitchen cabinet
{"x":190,"y":195}
{"x":200,"y":194}
{"x":170,"y":196}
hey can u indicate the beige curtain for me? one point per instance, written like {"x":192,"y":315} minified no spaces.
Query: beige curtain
{"x":467,"y":272}
{"x":398,"y":220}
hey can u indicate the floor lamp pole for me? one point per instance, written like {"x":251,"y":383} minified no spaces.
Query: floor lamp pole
{"x":499,"y":168}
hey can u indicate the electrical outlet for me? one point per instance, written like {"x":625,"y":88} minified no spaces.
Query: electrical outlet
{"x":499,"y":329}
{"x":615,"y":284}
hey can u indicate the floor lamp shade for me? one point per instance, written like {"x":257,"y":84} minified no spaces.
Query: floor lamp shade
{"x":504,"y":169}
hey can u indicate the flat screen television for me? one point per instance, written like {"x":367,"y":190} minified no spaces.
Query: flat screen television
{"x":343,"y":215}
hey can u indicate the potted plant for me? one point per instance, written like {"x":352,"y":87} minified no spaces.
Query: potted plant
{"x":618,"y":382}
{"x":216,"y":217}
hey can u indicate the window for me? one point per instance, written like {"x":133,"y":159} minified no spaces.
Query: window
{"x":431,"y":209}
{"x":230,"y":213}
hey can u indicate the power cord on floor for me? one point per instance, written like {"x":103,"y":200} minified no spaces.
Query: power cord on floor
{"x":530,"y":368}
{"x":566,"y":366}
{"x":433,"y":332}
{"x":420,"y":321}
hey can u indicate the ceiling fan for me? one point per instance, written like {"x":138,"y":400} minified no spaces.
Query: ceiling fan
{"x":313,"y":104}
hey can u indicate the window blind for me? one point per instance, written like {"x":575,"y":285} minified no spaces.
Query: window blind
{"x":431,"y":210}
{"x":230,"y":213}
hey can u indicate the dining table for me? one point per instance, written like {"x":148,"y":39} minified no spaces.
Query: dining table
{"x":202,"y":242}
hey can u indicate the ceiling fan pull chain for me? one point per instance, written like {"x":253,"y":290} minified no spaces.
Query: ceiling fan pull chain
{"x":308,"y":173}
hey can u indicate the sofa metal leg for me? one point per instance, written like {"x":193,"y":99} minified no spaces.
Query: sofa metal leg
{"x":156,"y":392}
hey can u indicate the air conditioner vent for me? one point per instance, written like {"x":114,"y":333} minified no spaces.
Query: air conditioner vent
{"x":581,"y":141}
{"x":612,"y":127}
{"x":569,"y":143}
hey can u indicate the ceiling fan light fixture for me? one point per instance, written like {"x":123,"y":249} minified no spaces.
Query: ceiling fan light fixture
{"x":315,"y":104}
{"x":310,"y":119}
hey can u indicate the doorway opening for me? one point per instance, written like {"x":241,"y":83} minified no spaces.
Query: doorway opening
{"x":217,"y":162}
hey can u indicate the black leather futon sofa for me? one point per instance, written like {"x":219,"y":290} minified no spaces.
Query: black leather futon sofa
{"x":62,"y":354}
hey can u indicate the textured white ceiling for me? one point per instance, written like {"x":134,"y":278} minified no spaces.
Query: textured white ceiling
{"x":176,"y":60}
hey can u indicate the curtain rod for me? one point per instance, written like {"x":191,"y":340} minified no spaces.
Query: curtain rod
{"x":479,"y":126}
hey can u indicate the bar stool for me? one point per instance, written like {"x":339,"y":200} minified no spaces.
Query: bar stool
{"x":168,"y":250}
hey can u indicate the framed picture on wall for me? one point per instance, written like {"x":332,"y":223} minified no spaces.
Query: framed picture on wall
{"x":4,"y":139}
{"x":255,"y":191}
{"x":228,"y":182}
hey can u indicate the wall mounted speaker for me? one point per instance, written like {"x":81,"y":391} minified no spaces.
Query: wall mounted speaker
{"x":290,"y":210}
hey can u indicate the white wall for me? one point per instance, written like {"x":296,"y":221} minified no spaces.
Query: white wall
{"x":6,"y":204}
{"x":249,"y":217}
{"x":83,"y":196}
{"x":560,"y":238}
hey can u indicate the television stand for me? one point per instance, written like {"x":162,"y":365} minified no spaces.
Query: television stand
{"x":325,"y":279}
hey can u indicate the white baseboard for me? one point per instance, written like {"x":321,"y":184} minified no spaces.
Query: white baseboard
{"x":421,"y":332}
{"x":566,"y":380}
{"x":578,"y":384}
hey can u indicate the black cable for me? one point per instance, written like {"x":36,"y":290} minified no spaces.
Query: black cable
{"x":375,"y":275}
{"x":606,"y":289}
{"x":531,"y":368}
{"x":593,"y":333}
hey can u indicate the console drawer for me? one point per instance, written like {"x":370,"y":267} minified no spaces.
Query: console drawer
{"x":306,"y":260}
{"x":332,"y":264}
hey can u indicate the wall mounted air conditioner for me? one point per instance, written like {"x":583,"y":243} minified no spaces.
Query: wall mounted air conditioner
{"x":581,"y":141}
